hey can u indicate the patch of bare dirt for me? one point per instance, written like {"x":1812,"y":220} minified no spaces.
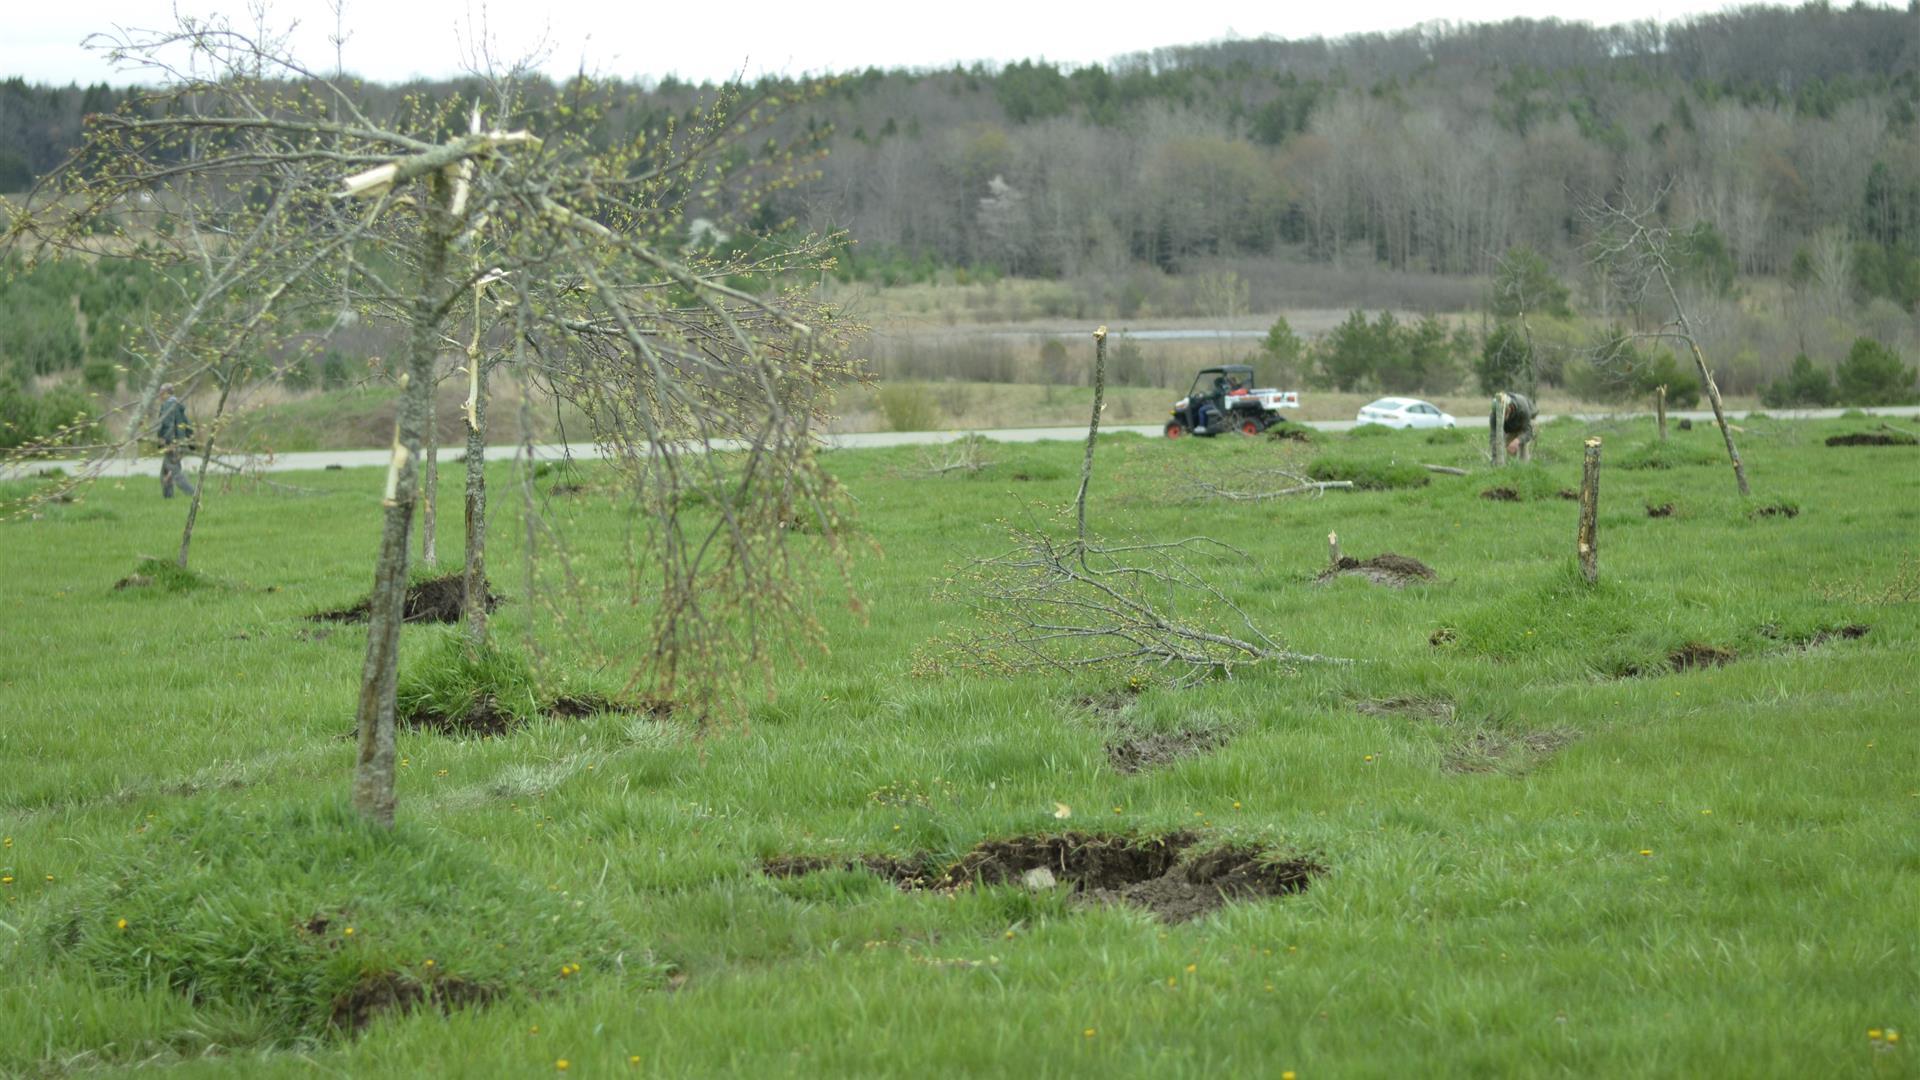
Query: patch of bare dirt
{"x":1661,"y":511}
{"x":1433,"y":709}
{"x":1872,"y":438}
{"x":487,"y":718}
{"x":1487,"y":751}
{"x":1694,"y":655}
{"x":1163,"y":874}
{"x":132,"y":581}
{"x":1290,"y":432}
{"x":442,"y":599}
{"x":1568,"y":494}
{"x":1138,"y":751}
{"x":1785,"y":510}
{"x":382,"y":992}
{"x":1393,"y":571}
{"x":1501,"y":494}
{"x":1445,"y":635}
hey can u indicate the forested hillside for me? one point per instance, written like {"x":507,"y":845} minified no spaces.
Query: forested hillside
{"x":1782,"y":141}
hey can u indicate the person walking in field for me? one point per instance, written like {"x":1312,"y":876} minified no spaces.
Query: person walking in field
{"x":174,"y":431}
{"x":1517,"y":426}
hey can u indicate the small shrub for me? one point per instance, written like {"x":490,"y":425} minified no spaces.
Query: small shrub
{"x":1872,"y":374}
{"x":907,"y":408}
{"x":1804,"y":386}
{"x":1369,"y":475}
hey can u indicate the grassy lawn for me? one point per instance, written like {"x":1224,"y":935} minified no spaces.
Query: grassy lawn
{"x":1545,"y":850}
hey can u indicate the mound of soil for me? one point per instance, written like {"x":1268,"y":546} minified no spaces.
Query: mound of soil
{"x":132,"y":581}
{"x":1393,"y":571}
{"x":392,"y":992}
{"x":442,"y":600}
{"x":1501,"y":494}
{"x":1696,"y":655}
{"x":1774,"y":510}
{"x":1872,"y":438}
{"x":1137,"y":751}
{"x":488,"y":718}
{"x":1155,"y":873}
{"x":1436,"y":710}
{"x":1291,"y":432}
{"x":1663,"y":510}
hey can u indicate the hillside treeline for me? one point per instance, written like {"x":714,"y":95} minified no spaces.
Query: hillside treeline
{"x":1789,"y":131}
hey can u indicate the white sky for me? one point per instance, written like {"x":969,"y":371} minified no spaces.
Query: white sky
{"x":392,"y":40}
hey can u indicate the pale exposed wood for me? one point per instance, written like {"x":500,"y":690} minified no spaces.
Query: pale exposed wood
{"x":1446,"y":469}
{"x":1660,"y":410}
{"x":1497,"y":431}
{"x":1333,"y":549}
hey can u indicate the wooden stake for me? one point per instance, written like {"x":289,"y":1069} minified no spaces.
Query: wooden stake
{"x":1333,"y":549}
{"x":1589,"y":539}
{"x":1497,"y":431}
{"x":1660,"y":409}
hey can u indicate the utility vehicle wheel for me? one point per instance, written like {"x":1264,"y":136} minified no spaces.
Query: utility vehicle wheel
{"x":1176,"y":429}
{"x":1251,"y":426}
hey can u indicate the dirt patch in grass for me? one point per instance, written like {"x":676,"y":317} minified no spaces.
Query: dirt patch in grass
{"x":576,"y":706}
{"x":1785,"y":510}
{"x":381,"y":992}
{"x":1436,"y":710}
{"x":1163,"y":874}
{"x":442,"y":599}
{"x":1138,"y":751}
{"x":1872,"y":438}
{"x":132,"y":581}
{"x":1849,"y":632}
{"x":1663,"y":510}
{"x":1291,"y":433}
{"x":1694,"y":655}
{"x":1487,"y":751}
{"x":1445,"y":635}
{"x":1108,"y":704}
{"x":1568,"y":494}
{"x":1393,"y":571}
{"x":486,"y":717}
{"x":1501,"y":494}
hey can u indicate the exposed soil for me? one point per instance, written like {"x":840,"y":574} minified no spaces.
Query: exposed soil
{"x":1436,"y":710}
{"x":1486,"y":751}
{"x":1685,"y":424}
{"x":133,"y":581}
{"x":488,"y":718}
{"x":442,"y":600}
{"x":1161,"y":874}
{"x":1446,"y":635}
{"x":1850,"y":632}
{"x":1663,"y":510}
{"x":1774,"y":510}
{"x":1872,"y":438}
{"x":1696,"y":655}
{"x":1501,"y":494}
{"x":1290,"y":432}
{"x":390,"y":991}
{"x":1568,"y":494}
{"x":1393,"y":571}
{"x":1136,"y":751}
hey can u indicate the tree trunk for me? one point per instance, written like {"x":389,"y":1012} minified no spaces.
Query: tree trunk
{"x":1706,"y":379}
{"x":1333,"y":549}
{"x":1496,"y":431}
{"x":200,"y":479}
{"x":430,"y":498}
{"x":1093,"y":432}
{"x":1660,"y":410}
{"x":373,"y":780}
{"x":1589,"y":537}
{"x":476,"y":507}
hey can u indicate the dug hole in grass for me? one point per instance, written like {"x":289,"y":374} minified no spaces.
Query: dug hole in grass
{"x":295,"y":923}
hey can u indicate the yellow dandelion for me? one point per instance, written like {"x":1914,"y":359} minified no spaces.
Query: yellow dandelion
{"x":1873,"y":1033}
{"x":7,"y":880}
{"x":1269,"y":988}
{"x":561,"y":1064}
{"x":1893,"y":1036}
{"x":429,"y":962}
{"x":1369,"y":757}
{"x":348,"y":931}
{"x":1646,"y":851}
{"x":1088,"y":1033}
{"x":534,"y":1030}
{"x":1191,"y":968}
{"x":49,"y":878}
{"x":1116,"y":809}
{"x":633,"y":1059}
{"x":1009,"y":935}
{"x":122,"y":924}
{"x":1171,"y":981}
{"x":1288,"y":1075}
{"x":1236,"y":806}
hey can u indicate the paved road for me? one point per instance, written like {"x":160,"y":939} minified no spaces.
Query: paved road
{"x":351,"y":459}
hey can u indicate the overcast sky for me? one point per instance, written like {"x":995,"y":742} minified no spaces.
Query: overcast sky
{"x":392,"y":40}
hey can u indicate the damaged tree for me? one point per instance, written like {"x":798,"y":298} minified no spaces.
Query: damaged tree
{"x":1637,"y":253}
{"x":1062,"y":604}
{"x":708,"y":393}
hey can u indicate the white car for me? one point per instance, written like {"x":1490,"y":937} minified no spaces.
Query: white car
{"x":1400,"y":412}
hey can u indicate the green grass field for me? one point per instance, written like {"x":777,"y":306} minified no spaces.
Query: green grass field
{"x":1546,"y":851}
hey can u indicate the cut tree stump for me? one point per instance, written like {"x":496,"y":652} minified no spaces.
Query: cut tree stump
{"x":1589,"y":537}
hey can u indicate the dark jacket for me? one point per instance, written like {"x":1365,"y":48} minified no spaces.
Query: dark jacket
{"x":1520,"y":414}
{"x":174,"y":426}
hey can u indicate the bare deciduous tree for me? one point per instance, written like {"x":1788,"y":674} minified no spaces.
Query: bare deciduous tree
{"x":1638,"y":252}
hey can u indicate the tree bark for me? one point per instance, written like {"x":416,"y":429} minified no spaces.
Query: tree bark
{"x":1093,"y":432}
{"x":1589,"y":536}
{"x":476,"y":503}
{"x":430,"y":498}
{"x":1496,"y":431}
{"x":1333,"y":549}
{"x":373,"y":780}
{"x":1706,"y":379}
{"x":1660,"y":410}
{"x":200,"y":479}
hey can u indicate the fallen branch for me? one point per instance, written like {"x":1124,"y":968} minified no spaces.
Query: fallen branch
{"x":1448,"y":469}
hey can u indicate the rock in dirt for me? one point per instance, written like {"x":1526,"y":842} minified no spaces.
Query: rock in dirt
{"x":1168,"y":875}
{"x":1393,"y":571}
{"x":1039,"y":879}
{"x":442,"y":599}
